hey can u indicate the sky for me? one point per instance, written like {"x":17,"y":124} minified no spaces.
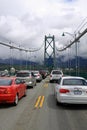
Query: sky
{"x":26,"y":22}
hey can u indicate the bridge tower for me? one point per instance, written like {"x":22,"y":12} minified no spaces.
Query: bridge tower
{"x":49,"y":52}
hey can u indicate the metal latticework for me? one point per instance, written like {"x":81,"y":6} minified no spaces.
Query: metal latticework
{"x":49,"y":51}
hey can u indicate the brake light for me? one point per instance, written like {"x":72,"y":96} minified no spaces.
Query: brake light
{"x":50,"y":75}
{"x":7,"y":91}
{"x":64,"y":90}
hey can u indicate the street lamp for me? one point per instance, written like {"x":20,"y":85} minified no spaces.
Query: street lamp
{"x":76,"y":57}
{"x":73,"y":35}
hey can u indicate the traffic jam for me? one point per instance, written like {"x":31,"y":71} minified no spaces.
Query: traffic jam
{"x":13,"y":88}
{"x":68,"y":89}
{"x":30,"y":100}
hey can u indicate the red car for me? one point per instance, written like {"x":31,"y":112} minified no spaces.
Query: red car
{"x":11,"y":90}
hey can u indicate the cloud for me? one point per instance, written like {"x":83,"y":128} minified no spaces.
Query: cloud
{"x":27,"y":22}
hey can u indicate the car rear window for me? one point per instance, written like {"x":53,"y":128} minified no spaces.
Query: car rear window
{"x":23,"y":74}
{"x":5,"y":82}
{"x":56,"y":72}
{"x":74,"y":82}
{"x":36,"y":72}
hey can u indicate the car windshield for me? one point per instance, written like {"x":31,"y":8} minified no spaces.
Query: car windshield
{"x":74,"y":82}
{"x":5,"y":82}
{"x":24,"y":74}
{"x":56,"y":72}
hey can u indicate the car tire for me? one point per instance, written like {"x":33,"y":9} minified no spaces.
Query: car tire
{"x":51,"y":81}
{"x":58,"y":103}
{"x":16,"y":100}
{"x":33,"y":86}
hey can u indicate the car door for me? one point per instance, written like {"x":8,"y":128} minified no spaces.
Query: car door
{"x":20,"y":87}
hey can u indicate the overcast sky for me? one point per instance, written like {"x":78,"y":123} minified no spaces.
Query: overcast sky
{"x":26,"y":22}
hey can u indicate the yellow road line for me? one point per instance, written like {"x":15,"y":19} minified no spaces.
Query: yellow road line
{"x":46,"y":85}
{"x":41,"y":103}
{"x":37,"y":102}
{"x":47,"y":81}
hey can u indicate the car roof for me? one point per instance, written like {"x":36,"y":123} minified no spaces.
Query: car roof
{"x":12,"y":77}
{"x":21,"y":71}
{"x":56,"y":70}
{"x":72,"y":77}
{"x":35,"y":71}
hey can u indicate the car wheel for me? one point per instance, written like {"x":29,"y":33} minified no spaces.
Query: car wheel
{"x":33,"y":86}
{"x":58,"y":103}
{"x":16,"y":100}
{"x":51,"y":81}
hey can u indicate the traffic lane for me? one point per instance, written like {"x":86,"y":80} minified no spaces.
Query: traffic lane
{"x":52,"y":117}
{"x":49,"y":116}
{"x":65,"y":117}
{"x":10,"y":114}
{"x":29,"y":119}
{"x":72,"y":117}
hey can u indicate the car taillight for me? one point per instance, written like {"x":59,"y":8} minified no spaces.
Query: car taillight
{"x":64,"y":90}
{"x":50,"y":75}
{"x":7,"y":91}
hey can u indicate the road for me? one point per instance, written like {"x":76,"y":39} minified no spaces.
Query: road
{"x":34,"y":114}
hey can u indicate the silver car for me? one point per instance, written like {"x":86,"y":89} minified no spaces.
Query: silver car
{"x":38,"y":76}
{"x":72,"y":90}
{"x":55,"y":75}
{"x":28,"y":77}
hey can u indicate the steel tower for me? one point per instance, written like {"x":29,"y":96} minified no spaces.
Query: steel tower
{"x":49,"y":51}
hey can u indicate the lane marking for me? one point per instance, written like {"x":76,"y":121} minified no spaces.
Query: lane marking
{"x":46,"y":85}
{"x":41,"y":103}
{"x":37,"y":102}
{"x":47,"y":81}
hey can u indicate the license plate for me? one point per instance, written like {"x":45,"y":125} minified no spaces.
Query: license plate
{"x":77,"y":92}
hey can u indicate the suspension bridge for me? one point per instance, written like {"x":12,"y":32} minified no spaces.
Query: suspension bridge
{"x":51,"y":59}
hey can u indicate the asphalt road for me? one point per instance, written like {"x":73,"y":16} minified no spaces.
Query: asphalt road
{"x":38,"y":111}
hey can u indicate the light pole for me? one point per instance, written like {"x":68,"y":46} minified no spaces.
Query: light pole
{"x":76,"y":56}
{"x":20,"y":50}
{"x":26,"y":58}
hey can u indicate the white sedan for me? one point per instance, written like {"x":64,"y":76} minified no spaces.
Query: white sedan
{"x":71,"y":90}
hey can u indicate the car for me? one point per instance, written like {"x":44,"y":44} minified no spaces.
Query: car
{"x":43,"y":73}
{"x":4,"y":74}
{"x":28,"y":77}
{"x":11,"y":90}
{"x":38,"y":76}
{"x":55,"y":75}
{"x":71,"y":90}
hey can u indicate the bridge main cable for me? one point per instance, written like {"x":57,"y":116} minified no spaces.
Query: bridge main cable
{"x":21,"y":48}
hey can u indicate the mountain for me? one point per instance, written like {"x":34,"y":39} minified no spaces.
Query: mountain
{"x":82,"y":62}
{"x":15,"y":61}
